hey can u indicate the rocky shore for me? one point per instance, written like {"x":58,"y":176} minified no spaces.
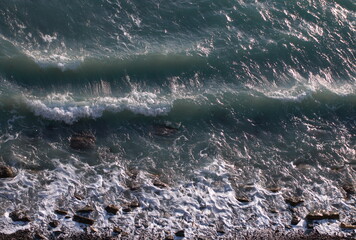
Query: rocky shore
{"x":253,"y":235}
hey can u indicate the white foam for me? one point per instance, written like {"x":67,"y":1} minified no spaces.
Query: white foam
{"x":64,"y":107}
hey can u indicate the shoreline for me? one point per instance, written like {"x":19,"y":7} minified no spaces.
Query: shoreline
{"x":265,"y":234}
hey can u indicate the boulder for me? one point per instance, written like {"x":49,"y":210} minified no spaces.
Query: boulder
{"x":243,"y":199}
{"x":112,"y":209}
{"x":61,"y":212}
{"x":19,"y":216}
{"x":117,"y":230}
{"x":347,"y":226}
{"x":86,"y":209}
{"x":133,"y":185}
{"x":134,"y":204}
{"x":295,"y":220}
{"x":54,"y":223}
{"x":294,"y":201}
{"x":180,"y":233}
{"x":159,"y":183}
{"x":82,"y":141}
{"x":84,"y":220}
{"x":274,"y":189}
{"x":320,"y":215}
{"x":6,"y":172}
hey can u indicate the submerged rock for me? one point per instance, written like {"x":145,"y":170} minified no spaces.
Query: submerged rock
{"x":117,"y":230}
{"x":54,"y":223}
{"x":61,"y":212}
{"x":112,"y":209}
{"x":133,"y":185}
{"x":274,"y":189}
{"x":243,"y":199}
{"x":19,"y":216}
{"x":294,"y":201}
{"x":6,"y":172}
{"x":320,"y":215}
{"x":166,"y":129}
{"x":86,"y":209}
{"x":295,"y":220}
{"x":82,"y":141}
{"x":349,"y":189}
{"x":180,"y":233}
{"x":159,"y":183}
{"x":134,"y":204}
{"x":84,"y":220}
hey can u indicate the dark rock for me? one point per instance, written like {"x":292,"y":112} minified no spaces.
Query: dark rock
{"x":126,"y":209}
{"x":320,"y":215}
{"x":274,"y":189}
{"x":83,"y":141}
{"x":347,"y":226}
{"x":163,"y":130}
{"x":159,"y":184}
{"x":349,"y":189}
{"x":295,"y":220}
{"x":39,"y":236}
{"x":117,"y":230}
{"x":17,"y":216}
{"x":243,"y":199}
{"x":54,"y":223}
{"x":61,"y":212}
{"x":180,"y":233}
{"x":112,"y":209}
{"x":133,"y":185}
{"x":134,"y":204}
{"x":169,"y":237}
{"x":310,"y":225}
{"x":82,"y":219}
{"x":86,"y":209}
{"x":6,"y":172}
{"x":78,"y":196}
{"x":294,"y":201}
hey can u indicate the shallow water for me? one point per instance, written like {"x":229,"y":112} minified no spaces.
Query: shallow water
{"x":217,"y":99}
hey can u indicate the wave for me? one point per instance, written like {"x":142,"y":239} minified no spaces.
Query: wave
{"x":70,"y":108}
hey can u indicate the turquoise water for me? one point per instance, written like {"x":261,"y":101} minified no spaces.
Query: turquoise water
{"x":208,"y":96}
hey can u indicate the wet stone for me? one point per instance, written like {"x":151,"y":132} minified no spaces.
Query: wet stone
{"x":82,"y":219}
{"x":112,"y":209}
{"x":347,"y":226}
{"x":243,"y":199}
{"x":78,"y":196}
{"x":134,"y":204}
{"x":349,"y":189}
{"x":180,"y":233}
{"x":159,"y":184}
{"x":169,"y":237}
{"x":54,"y":223}
{"x":320,"y":215}
{"x":86,"y":209}
{"x":6,"y":172}
{"x":61,"y":212}
{"x":39,"y":236}
{"x":294,"y":201}
{"x":117,"y":230}
{"x":19,"y":216}
{"x":126,"y":209}
{"x":133,"y":185}
{"x":274,"y":189}
{"x":84,"y":141}
{"x":295,"y":220}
